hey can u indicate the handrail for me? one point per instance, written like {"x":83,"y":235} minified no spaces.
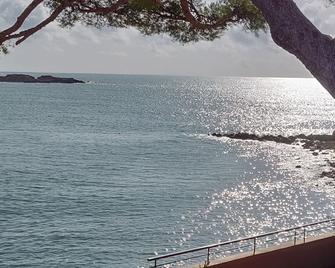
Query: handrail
{"x":254,"y":238}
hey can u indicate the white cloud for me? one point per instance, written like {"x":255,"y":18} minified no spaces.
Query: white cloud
{"x":10,"y":9}
{"x":83,"y":49}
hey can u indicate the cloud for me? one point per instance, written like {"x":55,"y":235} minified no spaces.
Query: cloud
{"x":85,"y":49}
{"x":321,"y":13}
{"x":10,"y":9}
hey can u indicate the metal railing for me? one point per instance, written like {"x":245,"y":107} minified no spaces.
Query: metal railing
{"x":247,"y":244}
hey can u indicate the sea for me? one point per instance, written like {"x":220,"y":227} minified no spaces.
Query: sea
{"x":121,"y":168}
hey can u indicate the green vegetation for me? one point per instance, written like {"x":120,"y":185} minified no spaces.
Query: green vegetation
{"x":183,"y":20}
{"x":200,"y":22}
{"x":190,"y":21}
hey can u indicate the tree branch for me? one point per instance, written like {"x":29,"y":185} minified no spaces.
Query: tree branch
{"x":103,"y":10}
{"x":163,"y":13}
{"x":189,"y":16}
{"x":186,"y":7}
{"x":21,"y":18}
{"x":23,"y":35}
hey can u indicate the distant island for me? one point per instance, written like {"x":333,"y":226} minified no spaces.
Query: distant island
{"x":24,"y":78}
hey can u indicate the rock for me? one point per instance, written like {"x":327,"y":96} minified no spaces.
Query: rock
{"x":248,"y":136}
{"x":328,"y":174}
{"x":311,"y":142}
{"x":315,"y":143}
{"x":52,"y":79}
{"x":216,"y":135}
{"x":24,"y":78}
{"x":332,"y":164}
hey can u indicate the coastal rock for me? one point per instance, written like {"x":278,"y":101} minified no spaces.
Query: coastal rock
{"x":315,"y":143}
{"x":248,"y":136}
{"x":331,"y":164}
{"x":328,"y":174}
{"x":24,"y":78}
{"x":311,"y":142}
{"x":52,"y":79}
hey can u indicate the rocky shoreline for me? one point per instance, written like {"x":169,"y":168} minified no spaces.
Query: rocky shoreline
{"x":317,"y":144}
{"x":24,"y":78}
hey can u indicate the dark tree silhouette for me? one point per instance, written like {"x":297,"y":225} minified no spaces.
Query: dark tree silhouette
{"x":192,"y":20}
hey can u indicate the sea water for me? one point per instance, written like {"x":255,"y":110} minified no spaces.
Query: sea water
{"x":111,"y":172}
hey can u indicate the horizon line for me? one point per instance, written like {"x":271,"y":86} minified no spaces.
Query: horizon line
{"x":155,"y":74}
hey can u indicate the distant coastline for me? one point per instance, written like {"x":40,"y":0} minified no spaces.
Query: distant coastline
{"x":24,"y":78}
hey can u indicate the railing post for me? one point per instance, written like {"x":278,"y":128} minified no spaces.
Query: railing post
{"x":304,"y":235}
{"x":155,"y":263}
{"x":255,"y":245}
{"x":208,"y":256}
{"x":295,"y":236}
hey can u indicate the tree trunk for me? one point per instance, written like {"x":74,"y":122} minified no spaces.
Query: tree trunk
{"x":292,"y":31}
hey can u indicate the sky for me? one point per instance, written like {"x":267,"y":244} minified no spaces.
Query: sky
{"x":125,"y":51}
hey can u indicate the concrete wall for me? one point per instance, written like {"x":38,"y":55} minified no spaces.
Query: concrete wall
{"x":315,"y":254}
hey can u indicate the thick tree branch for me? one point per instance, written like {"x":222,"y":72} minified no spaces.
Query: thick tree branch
{"x":10,"y":33}
{"x":23,"y":35}
{"x":291,"y":30}
{"x":188,"y":14}
{"x":21,"y":18}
